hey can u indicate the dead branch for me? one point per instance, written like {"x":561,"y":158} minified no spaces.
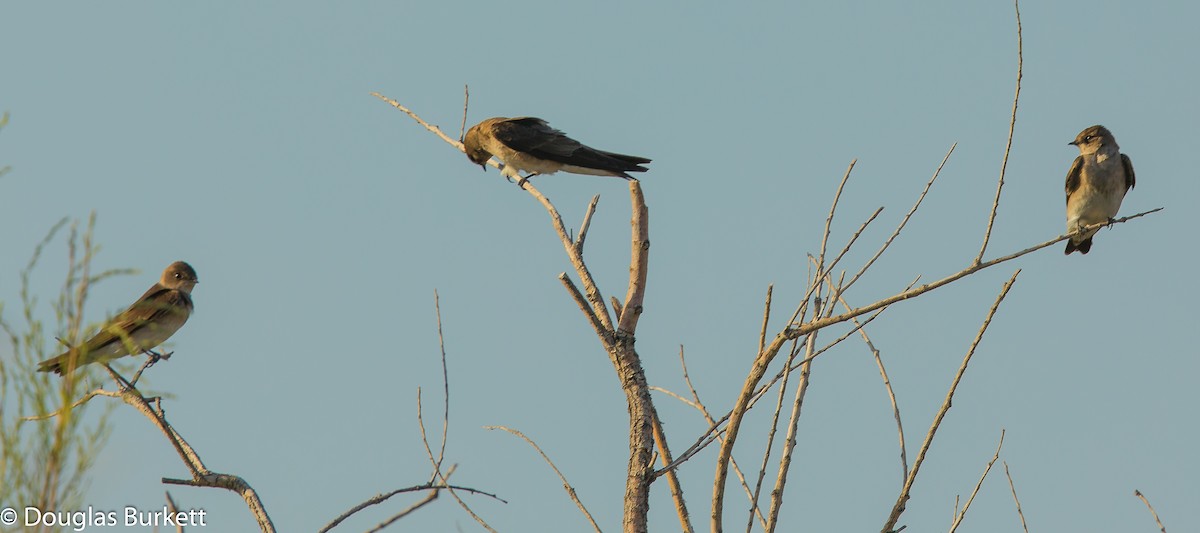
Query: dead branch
{"x":963,"y":514}
{"x":890,"y":525}
{"x":201,"y":475}
{"x":1013,"y":488}
{"x":1139,"y":494}
{"x":1012,"y":123}
{"x":566,"y":485}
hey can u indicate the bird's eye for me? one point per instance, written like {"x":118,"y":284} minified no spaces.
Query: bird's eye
{"x":1088,"y":138}
{"x":178,"y":276}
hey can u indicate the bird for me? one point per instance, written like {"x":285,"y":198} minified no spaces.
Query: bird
{"x":1096,"y":184}
{"x":529,"y":144}
{"x":150,"y":321}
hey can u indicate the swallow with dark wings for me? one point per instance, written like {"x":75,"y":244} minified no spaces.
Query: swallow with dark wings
{"x":529,"y":144}
{"x":1096,"y":184}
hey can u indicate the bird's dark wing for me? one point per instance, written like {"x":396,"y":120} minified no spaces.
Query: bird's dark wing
{"x":157,"y":304}
{"x":535,"y":137}
{"x":1130,"y":181}
{"x":1073,"y":177}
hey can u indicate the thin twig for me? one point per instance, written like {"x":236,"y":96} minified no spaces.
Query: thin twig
{"x":172,"y":508}
{"x":681,"y":510}
{"x":890,"y":525}
{"x":588,"y":312}
{"x":762,"y":334}
{"x":1013,"y":488}
{"x":576,"y":257}
{"x":1161,"y":528}
{"x":439,"y":477}
{"x":903,"y":222}
{"x":1012,"y":123}
{"x":81,"y":401}
{"x":774,"y":425}
{"x":825,"y":322}
{"x":587,"y":223}
{"x":437,"y":307}
{"x":963,"y":513}
{"x":429,"y":498}
{"x":824,"y":242}
{"x":434,"y":129}
{"x":380,"y":498}
{"x":462,"y":130}
{"x":566,"y":485}
{"x":887,"y":384}
{"x":670,"y":464}
{"x":789,"y":442}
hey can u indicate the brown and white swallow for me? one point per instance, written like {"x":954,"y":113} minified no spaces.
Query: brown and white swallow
{"x":529,"y":144}
{"x":150,"y":321}
{"x":1096,"y":184}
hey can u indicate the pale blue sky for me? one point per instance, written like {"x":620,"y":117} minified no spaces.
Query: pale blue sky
{"x":321,"y":220}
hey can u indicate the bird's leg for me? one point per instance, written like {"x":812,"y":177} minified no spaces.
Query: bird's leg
{"x":521,"y":182}
{"x":153,"y":357}
{"x":1111,"y":221}
{"x":503,"y":173}
{"x":122,"y":383}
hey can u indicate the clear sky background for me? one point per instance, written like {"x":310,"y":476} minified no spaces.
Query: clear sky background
{"x":243,"y":140}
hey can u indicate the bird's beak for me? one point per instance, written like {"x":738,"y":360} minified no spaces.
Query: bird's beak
{"x":1073,"y":143}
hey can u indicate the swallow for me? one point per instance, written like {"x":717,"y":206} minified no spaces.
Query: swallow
{"x":1096,"y":184}
{"x":150,"y":321}
{"x":529,"y":144}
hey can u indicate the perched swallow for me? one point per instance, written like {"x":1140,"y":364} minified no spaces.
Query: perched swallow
{"x":150,"y":321}
{"x":1096,"y":184}
{"x":531,"y":145}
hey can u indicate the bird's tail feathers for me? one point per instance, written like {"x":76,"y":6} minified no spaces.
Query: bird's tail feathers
{"x":1083,"y":246}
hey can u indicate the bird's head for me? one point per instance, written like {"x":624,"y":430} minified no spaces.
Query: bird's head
{"x":473,"y":146}
{"x":179,"y":276}
{"x":1093,"y":139}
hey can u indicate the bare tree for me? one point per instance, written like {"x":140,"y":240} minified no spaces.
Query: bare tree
{"x":798,"y":339}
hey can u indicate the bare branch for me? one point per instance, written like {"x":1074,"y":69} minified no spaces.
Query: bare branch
{"x":201,"y":475}
{"x":566,"y":485}
{"x":434,"y":129}
{"x":576,"y":257}
{"x":829,"y":221}
{"x":963,"y":514}
{"x":440,"y":478}
{"x":429,"y":498}
{"x":433,"y":487}
{"x":437,"y":307}
{"x":639,"y":263}
{"x":824,"y":242}
{"x":762,"y":469}
{"x":1161,"y":528}
{"x":1012,"y":123}
{"x":582,"y":302}
{"x":462,"y":130}
{"x":681,"y":510}
{"x":903,"y":222}
{"x":670,"y":464}
{"x":887,"y":384}
{"x":818,"y":324}
{"x":789,"y":446}
{"x":762,"y":334}
{"x":890,"y":525}
{"x":1013,"y":487}
{"x":172,"y":508}
{"x":587,"y":223}
{"x":77,"y":403}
